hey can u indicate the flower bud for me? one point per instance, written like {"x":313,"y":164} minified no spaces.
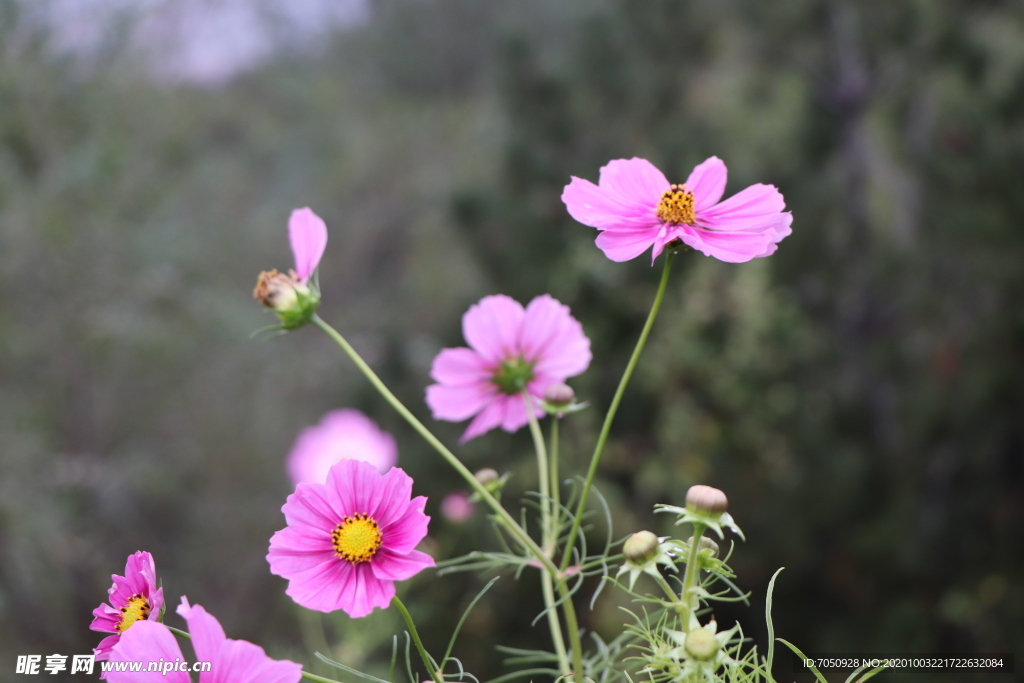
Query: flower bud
{"x":701,"y":644}
{"x":641,"y":548}
{"x":294,"y":301}
{"x":706,"y":499}
{"x":706,"y":545}
{"x":559,"y":395}
{"x":486,"y":476}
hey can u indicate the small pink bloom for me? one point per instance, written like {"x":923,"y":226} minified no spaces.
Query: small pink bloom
{"x":349,"y":540}
{"x":511,"y":350}
{"x":635,"y":207}
{"x":456,"y":507}
{"x":234,"y":661}
{"x":133,"y":598}
{"x":341,"y":434}
{"x":308,"y":235}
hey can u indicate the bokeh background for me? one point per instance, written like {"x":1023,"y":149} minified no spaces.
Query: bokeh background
{"x":859,"y":395}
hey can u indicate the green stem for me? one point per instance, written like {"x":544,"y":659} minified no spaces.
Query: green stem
{"x":556,"y":497}
{"x":319,"y":679}
{"x":178,"y":632}
{"x":665,"y":586}
{"x":606,"y":427}
{"x":479,"y":488}
{"x":427,"y":662}
{"x":573,"y":628}
{"x":548,"y":536}
{"x":691,"y":576}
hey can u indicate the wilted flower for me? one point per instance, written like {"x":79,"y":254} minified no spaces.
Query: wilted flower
{"x":341,"y":435}
{"x":349,"y":540}
{"x":293,"y":296}
{"x":134,"y":597}
{"x":238,"y":661}
{"x":512,"y":350}
{"x":635,"y":207}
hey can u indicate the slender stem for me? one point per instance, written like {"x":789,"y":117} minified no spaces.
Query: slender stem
{"x":573,"y":628}
{"x":606,"y":427}
{"x":178,"y":632}
{"x":548,"y":536}
{"x":556,"y":497}
{"x":691,"y":575}
{"x":318,"y":679}
{"x":669,"y":593}
{"x":427,"y":661}
{"x":507,"y":519}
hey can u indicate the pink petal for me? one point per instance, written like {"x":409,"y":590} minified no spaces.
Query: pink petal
{"x":405,"y":533}
{"x":295,"y":549}
{"x":311,"y":506}
{"x":604,"y":209}
{"x":515,"y":414}
{"x":308,"y":235}
{"x":456,"y":403}
{"x":104,"y":647}
{"x":491,"y":327}
{"x":623,"y":246}
{"x":324,"y":586}
{"x":146,"y":641}
{"x":707,"y":183}
{"x":460,"y":366}
{"x":753,"y":202}
{"x":487,"y":419}
{"x":353,"y":487}
{"x":554,"y":340}
{"x":206,"y":632}
{"x":388,"y":565}
{"x":366,"y":592}
{"x":395,"y":495}
{"x":240,"y":661}
{"x":105,"y":619}
{"x":731,"y":247}
{"x":636,"y":181}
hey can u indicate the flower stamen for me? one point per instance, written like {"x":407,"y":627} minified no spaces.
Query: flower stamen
{"x":677,"y":206}
{"x":136,"y":609}
{"x":357,"y":538}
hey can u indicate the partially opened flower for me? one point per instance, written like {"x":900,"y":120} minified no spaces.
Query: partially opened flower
{"x":340,"y":435}
{"x":636,"y":208}
{"x":292,"y":295}
{"x":234,"y":661}
{"x":349,"y":540}
{"x":512,"y":350}
{"x":133,"y":598}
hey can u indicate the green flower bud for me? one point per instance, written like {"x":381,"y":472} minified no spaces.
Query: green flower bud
{"x":292,"y":300}
{"x":706,"y":546}
{"x":706,"y":499}
{"x":701,"y":644}
{"x":641,"y":548}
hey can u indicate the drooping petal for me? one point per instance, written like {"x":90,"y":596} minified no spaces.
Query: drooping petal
{"x":623,"y":246}
{"x":491,"y":327}
{"x":731,"y":247}
{"x":308,"y":235}
{"x":707,"y":183}
{"x":458,"y":402}
{"x":391,"y":566}
{"x":206,"y":632}
{"x":487,"y":419}
{"x":637,"y":181}
{"x":553,"y":339}
{"x":147,"y":641}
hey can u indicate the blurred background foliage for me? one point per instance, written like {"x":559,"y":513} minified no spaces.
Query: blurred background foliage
{"x":859,"y":395}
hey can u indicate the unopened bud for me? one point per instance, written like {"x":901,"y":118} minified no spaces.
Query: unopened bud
{"x":486,"y":476}
{"x":706,"y":499}
{"x":641,"y":548}
{"x":559,"y":395}
{"x":277,"y":290}
{"x":701,"y":644}
{"x":706,"y":544}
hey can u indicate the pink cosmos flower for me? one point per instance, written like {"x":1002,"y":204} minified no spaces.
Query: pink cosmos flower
{"x":349,"y":540}
{"x":134,"y":598}
{"x":341,"y":434}
{"x":231,"y":661}
{"x":457,"y":507}
{"x":511,"y":350}
{"x":635,"y":207}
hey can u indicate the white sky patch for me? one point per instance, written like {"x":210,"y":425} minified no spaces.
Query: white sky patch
{"x":200,"y":41}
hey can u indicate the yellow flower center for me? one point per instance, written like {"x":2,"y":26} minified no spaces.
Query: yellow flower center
{"x":677,"y":206}
{"x":357,"y":539}
{"x":136,"y":609}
